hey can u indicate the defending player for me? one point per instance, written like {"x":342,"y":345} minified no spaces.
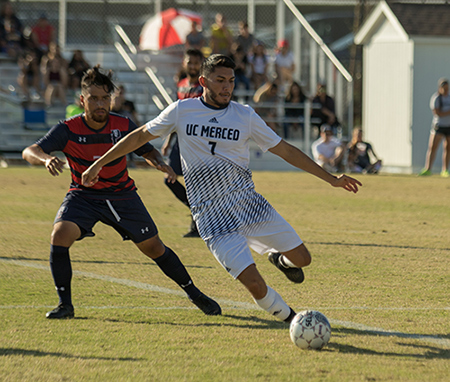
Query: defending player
{"x":113,"y":200}
{"x":188,"y":87}
{"x":214,"y":134}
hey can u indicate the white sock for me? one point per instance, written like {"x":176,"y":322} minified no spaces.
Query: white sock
{"x":273,"y":303}
{"x":285,"y":262}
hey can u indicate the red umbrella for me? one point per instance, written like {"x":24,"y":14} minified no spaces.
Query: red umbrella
{"x":167,"y":28}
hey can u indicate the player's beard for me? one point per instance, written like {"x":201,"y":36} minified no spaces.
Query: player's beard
{"x":98,"y":118}
{"x":214,"y":97}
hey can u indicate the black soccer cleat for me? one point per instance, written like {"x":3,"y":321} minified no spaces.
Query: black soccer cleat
{"x":192,"y":233}
{"x":296,"y":275}
{"x":291,"y":316}
{"x":207,"y":305}
{"x":61,"y":312}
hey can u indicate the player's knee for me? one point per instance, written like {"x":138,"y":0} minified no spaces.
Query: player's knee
{"x":64,"y":234}
{"x":152,"y":248}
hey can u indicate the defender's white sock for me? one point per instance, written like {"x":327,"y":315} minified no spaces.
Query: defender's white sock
{"x":273,"y":303}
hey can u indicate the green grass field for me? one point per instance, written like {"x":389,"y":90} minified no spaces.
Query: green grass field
{"x":380,"y":273}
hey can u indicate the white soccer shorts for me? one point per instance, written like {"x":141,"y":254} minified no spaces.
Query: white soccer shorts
{"x":232,"y":250}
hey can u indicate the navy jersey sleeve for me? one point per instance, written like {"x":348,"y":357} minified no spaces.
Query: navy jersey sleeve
{"x":55,"y":140}
{"x":146,"y":148}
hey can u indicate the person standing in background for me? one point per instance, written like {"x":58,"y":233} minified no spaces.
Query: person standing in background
{"x":440,"y":129}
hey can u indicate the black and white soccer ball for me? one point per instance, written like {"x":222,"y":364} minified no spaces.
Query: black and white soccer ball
{"x":310,"y":329}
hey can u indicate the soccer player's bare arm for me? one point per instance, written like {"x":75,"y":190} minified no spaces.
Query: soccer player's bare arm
{"x":299,"y":159}
{"x":34,"y":155}
{"x":126,"y":145}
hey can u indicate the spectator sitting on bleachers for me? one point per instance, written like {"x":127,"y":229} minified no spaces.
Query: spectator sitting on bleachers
{"x":245,"y":39}
{"x":240,"y":72}
{"x":77,"y":67}
{"x":259,"y":62}
{"x":195,"y":38}
{"x":284,"y":64}
{"x":267,"y":94}
{"x":295,"y":95}
{"x":55,"y":75}
{"x":326,"y":112}
{"x":30,"y":74}
{"x":221,"y":36}
{"x":11,"y":31}
{"x":123,"y":106}
{"x":328,"y":151}
{"x":43,"y":33}
{"x":359,"y":153}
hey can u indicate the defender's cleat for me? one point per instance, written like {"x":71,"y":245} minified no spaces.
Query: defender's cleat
{"x":294,"y":274}
{"x":445,"y":174}
{"x":61,"y":312}
{"x":207,"y":305}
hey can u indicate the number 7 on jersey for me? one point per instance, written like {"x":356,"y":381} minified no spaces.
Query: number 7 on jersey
{"x":213,"y":147}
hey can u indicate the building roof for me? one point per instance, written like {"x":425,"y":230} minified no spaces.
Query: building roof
{"x":409,"y":18}
{"x":422,"y":19}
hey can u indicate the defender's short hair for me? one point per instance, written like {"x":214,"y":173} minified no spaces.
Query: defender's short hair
{"x":216,"y":61}
{"x":96,"y":76}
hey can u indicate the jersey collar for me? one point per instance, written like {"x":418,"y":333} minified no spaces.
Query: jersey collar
{"x":211,"y":106}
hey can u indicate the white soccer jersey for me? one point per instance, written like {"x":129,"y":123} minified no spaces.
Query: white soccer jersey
{"x":214,"y":148}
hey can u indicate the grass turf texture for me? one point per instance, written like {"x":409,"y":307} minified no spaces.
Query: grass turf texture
{"x":380,"y":260}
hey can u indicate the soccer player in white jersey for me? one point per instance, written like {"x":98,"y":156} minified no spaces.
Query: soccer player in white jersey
{"x":214,"y":134}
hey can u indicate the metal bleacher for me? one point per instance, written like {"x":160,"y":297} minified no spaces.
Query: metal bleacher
{"x":21,"y":123}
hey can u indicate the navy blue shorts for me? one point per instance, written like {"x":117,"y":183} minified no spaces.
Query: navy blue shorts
{"x":127,"y":216}
{"x":443,"y":130}
{"x":174,"y":159}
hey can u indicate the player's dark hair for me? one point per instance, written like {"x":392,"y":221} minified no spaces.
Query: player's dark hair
{"x":96,"y":76}
{"x":196,"y":53}
{"x":216,"y":61}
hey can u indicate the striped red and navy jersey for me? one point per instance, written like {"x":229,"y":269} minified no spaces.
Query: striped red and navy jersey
{"x":188,"y":90}
{"x":82,"y":145}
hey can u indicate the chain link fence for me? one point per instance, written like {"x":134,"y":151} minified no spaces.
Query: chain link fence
{"x":90,"y":25}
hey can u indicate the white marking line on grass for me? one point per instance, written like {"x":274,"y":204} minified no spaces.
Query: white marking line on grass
{"x":346,"y":324}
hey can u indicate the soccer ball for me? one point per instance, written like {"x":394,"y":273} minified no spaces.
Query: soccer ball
{"x":310,"y":329}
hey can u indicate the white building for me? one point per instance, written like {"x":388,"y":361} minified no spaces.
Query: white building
{"x":406,"y":49}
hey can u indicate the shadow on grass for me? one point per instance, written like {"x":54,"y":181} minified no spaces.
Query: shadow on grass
{"x":246,"y":322}
{"x":376,"y":245}
{"x":97,"y":262}
{"x":428,"y":351}
{"x":39,"y":353}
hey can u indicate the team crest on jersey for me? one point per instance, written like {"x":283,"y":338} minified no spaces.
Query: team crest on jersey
{"x":115,"y":136}
{"x":213,"y":120}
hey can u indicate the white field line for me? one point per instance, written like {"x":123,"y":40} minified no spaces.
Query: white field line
{"x":436,"y":340}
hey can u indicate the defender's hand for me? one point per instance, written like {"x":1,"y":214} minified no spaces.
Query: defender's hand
{"x":347,"y":183}
{"x":170,"y":174}
{"x":90,"y":176}
{"x":54,"y":166}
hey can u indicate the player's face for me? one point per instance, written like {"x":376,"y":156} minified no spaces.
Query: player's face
{"x":97,"y":103}
{"x":218,"y":87}
{"x":192,"y":65}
